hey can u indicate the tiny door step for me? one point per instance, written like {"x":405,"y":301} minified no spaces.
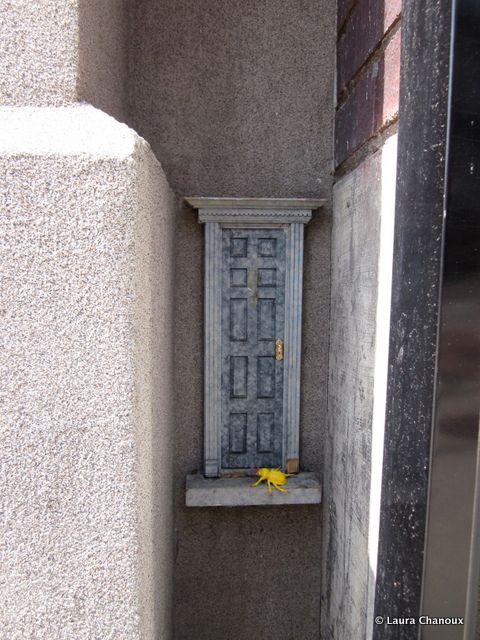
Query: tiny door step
{"x":303,"y":488}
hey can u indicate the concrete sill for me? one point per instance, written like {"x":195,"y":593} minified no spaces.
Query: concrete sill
{"x":303,"y":488}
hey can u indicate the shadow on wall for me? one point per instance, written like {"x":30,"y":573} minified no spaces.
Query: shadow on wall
{"x":103,"y":55}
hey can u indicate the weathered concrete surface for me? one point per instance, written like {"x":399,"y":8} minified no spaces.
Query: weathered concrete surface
{"x":236,"y":97}
{"x":303,"y":488}
{"x":86,"y":369}
{"x":362,"y":245}
{"x":56,"y":53}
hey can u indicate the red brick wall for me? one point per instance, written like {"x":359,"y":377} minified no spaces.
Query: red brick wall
{"x":368,"y":72}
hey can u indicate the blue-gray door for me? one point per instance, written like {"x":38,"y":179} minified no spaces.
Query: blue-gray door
{"x":253,"y":318}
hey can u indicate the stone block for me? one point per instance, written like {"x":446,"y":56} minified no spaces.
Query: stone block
{"x":86,"y":224}
{"x":303,"y":488}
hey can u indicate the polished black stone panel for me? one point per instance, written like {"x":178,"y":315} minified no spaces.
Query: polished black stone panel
{"x":415,"y":305}
{"x":451,"y":571}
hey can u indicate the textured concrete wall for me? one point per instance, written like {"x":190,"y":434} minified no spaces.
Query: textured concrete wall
{"x":362,"y":241}
{"x":56,"y":53}
{"x":87,"y":377}
{"x":236,"y":98}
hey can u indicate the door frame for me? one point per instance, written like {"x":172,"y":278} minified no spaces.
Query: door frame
{"x":217,"y":214}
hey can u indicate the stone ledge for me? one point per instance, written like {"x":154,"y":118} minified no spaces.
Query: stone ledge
{"x":78,"y":129}
{"x":303,"y":488}
{"x":308,"y":204}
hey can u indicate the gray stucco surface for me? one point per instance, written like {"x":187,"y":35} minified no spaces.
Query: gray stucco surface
{"x":362,"y":242}
{"x":236,"y":99}
{"x":249,"y":573}
{"x":87,"y":378}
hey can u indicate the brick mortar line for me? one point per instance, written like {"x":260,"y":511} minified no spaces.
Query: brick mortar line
{"x":367,"y":148}
{"x":374,"y":56}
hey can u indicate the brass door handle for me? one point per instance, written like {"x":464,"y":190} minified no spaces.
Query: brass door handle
{"x":279,"y":349}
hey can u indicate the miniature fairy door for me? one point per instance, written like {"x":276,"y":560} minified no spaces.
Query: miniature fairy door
{"x":253,"y":311}
{"x":252,"y":335}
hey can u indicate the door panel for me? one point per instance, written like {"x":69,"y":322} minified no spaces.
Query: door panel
{"x":253,"y":318}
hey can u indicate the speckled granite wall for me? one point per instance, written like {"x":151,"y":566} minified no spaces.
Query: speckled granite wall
{"x":102,"y":77}
{"x":236,"y":98}
{"x":87,"y":377}
{"x":38,"y":52}
{"x":87,"y":222}
{"x":57,"y":53}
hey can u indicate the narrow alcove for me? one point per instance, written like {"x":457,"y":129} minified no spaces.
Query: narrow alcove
{"x":253,"y":350}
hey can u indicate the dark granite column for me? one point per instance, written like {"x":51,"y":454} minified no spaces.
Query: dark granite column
{"x":415,"y":304}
